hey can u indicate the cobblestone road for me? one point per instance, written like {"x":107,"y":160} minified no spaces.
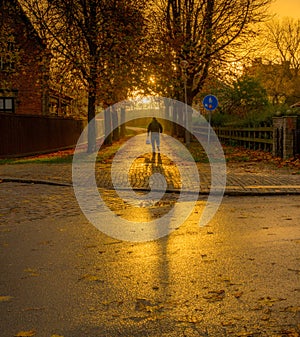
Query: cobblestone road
{"x":242,"y":178}
{"x":239,"y":276}
{"x":60,"y":276}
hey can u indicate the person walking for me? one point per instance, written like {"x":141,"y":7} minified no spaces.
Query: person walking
{"x":155,"y":128}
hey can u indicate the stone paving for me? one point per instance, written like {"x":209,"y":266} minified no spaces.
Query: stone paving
{"x":60,"y":276}
{"x":242,"y":178}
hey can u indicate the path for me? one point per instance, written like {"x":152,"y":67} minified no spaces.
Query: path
{"x":242,"y":179}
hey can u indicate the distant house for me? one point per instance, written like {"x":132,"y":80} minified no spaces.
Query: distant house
{"x":281,"y":80}
{"x":25,"y":67}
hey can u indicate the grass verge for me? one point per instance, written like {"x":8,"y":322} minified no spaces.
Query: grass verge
{"x":233,"y":154}
{"x":105,"y":154}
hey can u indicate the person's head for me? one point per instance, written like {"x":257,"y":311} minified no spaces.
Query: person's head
{"x":154,"y":118}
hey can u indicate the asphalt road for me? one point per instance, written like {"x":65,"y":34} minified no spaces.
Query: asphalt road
{"x":238,"y":276}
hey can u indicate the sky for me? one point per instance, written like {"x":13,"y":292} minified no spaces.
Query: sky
{"x":284,"y":8}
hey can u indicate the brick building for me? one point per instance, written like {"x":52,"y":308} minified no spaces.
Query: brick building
{"x":25,"y":66}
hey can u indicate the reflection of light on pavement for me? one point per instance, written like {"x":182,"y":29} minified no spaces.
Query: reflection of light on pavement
{"x":138,"y":209}
{"x":125,"y":172}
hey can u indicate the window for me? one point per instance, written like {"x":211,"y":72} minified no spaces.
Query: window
{"x":7,"y":104}
{"x":7,"y":57}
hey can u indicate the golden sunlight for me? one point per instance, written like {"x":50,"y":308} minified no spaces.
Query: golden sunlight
{"x":283,"y":8}
{"x":152,"y":79}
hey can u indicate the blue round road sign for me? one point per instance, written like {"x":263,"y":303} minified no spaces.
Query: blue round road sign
{"x":210,"y":102}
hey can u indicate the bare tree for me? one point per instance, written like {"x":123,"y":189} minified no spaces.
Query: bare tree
{"x":282,"y":39}
{"x":202,"y":33}
{"x":282,"y":53}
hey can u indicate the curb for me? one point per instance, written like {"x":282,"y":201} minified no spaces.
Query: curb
{"x":34,"y":181}
{"x":137,"y":189}
{"x":226,"y":192}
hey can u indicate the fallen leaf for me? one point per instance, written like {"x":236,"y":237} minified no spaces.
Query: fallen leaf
{"x":91,"y":278}
{"x":270,"y":301}
{"x":245,"y":334}
{"x":44,"y":243}
{"x":34,"y":309}
{"x":154,"y":308}
{"x":57,"y":336}
{"x":189,"y":319}
{"x":265,"y":318}
{"x":26,"y":333}
{"x":289,"y":333}
{"x":228,"y":323}
{"x":292,"y":309}
{"x":141,"y":304}
{"x":90,"y":246}
{"x":238,"y":294}
{"x":31,"y":272}
{"x":5,"y":298}
{"x":215,"y":295}
{"x":6,"y":230}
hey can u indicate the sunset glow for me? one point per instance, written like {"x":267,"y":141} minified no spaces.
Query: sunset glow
{"x":283,"y":8}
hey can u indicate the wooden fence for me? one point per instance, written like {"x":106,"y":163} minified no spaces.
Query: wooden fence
{"x":253,"y":138}
{"x":282,"y":139}
{"x":22,"y":135}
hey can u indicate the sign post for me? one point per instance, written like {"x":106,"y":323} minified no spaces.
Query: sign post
{"x":210,"y":103}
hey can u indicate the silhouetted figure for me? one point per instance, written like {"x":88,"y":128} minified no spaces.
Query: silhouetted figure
{"x":155,"y":128}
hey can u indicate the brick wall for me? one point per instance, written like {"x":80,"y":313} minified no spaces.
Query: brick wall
{"x":27,"y":80}
{"x":284,"y":136}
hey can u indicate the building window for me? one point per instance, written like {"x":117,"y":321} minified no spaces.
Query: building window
{"x":7,"y":57}
{"x":7,"y":104}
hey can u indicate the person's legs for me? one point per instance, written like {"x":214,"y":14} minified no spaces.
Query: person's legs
{"x":155,"y":140}
{"x":158,"y":142}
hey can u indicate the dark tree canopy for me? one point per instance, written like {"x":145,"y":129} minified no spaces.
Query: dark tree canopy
{"x":96,"y":40}
{"x":114,"y":46}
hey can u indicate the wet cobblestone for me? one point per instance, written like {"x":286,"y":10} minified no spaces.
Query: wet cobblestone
{"x":29,"y":202}
{"x":238,"y":276}
{"x":241,"y":178}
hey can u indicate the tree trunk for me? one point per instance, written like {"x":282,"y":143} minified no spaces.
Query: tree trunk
{"x":122,"y":128}
{"x":174,"y":118}
{"x":188,"y":115}
{"x":168,"y":126}
{"x":107,"y":126}
{"x":91,"y":118}
{"x":115,"y":119}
